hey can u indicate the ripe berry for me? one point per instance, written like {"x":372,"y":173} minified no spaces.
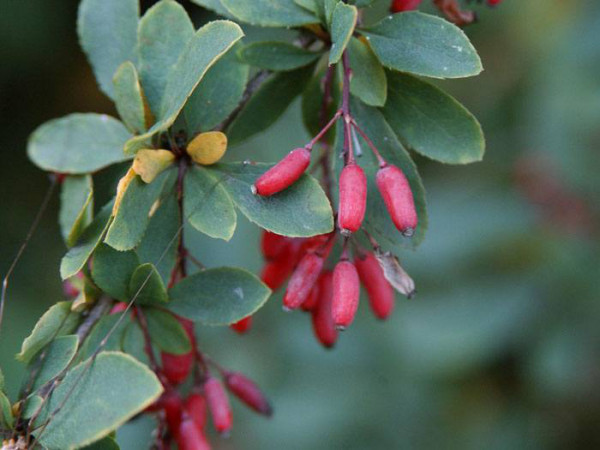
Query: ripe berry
{"x":380,"y":291}
{"x":195,"y":407}
{"x":283,"y":174}
{"x":322,"y":319}
{"x":218,"y":404}
{"x":172,"y":405}
{"x":493,"y":2}
{"x":313,"y":298}
{"x":177,"y":367}
{"x":242,"y":326}
{"x":190,"y":437}
{"x":275,"y":272}
{"x":303,"y":279}
{"x":273,"y":245}
{"x":118,"y":307}
{"x":248,"y":392}
{"x":353,"y":199}
{"x":398,"y":198}
{"x":404,"y":5}
{"x":346,"y":292}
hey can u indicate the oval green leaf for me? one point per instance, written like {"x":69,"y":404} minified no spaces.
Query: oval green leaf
{"x":147,"y":286}
{"x":76,"y":206}
{"x":112,"y":270}
{"x":343,"y":22}
{"x":129,"y":98}
{"x":166,"y":332}
{"x":368,"y":82}
{"x":277,"y":56}
{"x":269,"y":13}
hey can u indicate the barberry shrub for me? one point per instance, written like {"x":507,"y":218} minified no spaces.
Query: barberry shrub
{"x":335,"y":211}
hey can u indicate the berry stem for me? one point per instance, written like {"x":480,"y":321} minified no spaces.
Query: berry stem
{"x":380,"y":160}
{"x":325,"y":129}
{"x":348,"y":150}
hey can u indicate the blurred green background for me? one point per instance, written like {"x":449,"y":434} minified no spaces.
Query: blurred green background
{"x":500,"y":349}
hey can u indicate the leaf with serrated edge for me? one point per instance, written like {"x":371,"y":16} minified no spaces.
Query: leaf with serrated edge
{"x":96,"y":401}
{"x":78,"y":143}
{"x":218,"y":296}
{"x":423,"y":45}
{"x":112,"y":270}
{"x":208,"y":44}
{"x":431,"y":122}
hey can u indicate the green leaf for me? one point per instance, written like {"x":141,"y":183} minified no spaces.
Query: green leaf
{"x":431,"y":122}
{"x":277,"y":56}
{"x":108,"y":443}
{"x":131,"y":220}
{"x":76,"y":206}
{"x":213,"y":5}
{"x":217,"y":95}
{"x":112,"y":270}
{"x":159,"y":245}
{"x":108,"y":33}
{"x":377,"y":220}
{"x":100,"y":331}
{"x":301,"y":210}
{"x":57,"y":321}
{"x":1,"y":380}
{"x":270,"y":13}
{"x":147,"y":284}
{"x":78,"y":143}
{"x":424,"y":45}
{"x":59,"y":353}
{"x":343,"y":22}
{"x":134,"y":343}
{"x":206,"y":204}
{"x":6,"y":417}
{"x":268,"y":103}
{"x":96,"y":401}
{"x":166,"y":331}
{"x":163,"y":34}
{"x":32,"y":404}
{"x":313,"y":6}
{"x":328,"y":8}
{"x":208,"y":44}
{"x":78,"y":255}
{"x":368,"y":82}
{"x":218,"y":296}
{"x":129,"y":98}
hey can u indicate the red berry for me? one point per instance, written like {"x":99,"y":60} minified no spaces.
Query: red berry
{"x":283,"y":174}
{"x":190,"y":437}
{"x":273,"y":245}
{"x":380,"y":291}
{"x":248,"y":392}
{"x":177,"y":367}
{"x":172,"y":405}
{"x":346,"y":292}
{"x":322,"y":319}
{"x":218,"y":404}
{"x":303,"y":279}
{"x":242,"y":326}
{"x":353,"y":198}
{"x":275,"y":272}
{"x":315,"y":243}
{"x":195,"y":407}
{"x":404,"y":5}
{"x":313,"y":298}
{"x":397,"y":195}
{"x":118,"y":307}
{"x":493,"y":2}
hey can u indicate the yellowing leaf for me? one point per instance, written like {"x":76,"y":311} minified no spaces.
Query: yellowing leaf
{"x":208,"y":148}
{"x":148,"y":164}
{"x":122,"y":187}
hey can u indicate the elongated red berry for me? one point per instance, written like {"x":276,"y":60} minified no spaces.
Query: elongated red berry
{"x":397,"y":195}
{"x":353,"y":199}
{"x":493,"y":2}
{"x":190,"y":437}
{"x":118,"y":307}
{"x":247,"y":391}
{"x":173,"y":406}
{"x":303,"y":279}
{"x":195,"y":407}
{"x":404,"y":5}
{"x":380,"y":291}
{"x":274,"y":273}
{"x":322,"y":319}
{"x":346,"y":292}
{"x":273,"y":245}
{"x":218,"y":405}
{"x":283,"y":174}
{"x":177,"y":367}
{"x":242,"y":326}
{"x":313,"y":298}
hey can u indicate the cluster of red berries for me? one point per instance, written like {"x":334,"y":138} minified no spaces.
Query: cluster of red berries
{"x":409,"y":5}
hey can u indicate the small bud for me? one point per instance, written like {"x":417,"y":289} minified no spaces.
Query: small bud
{"x":242,"y":326}
{"x":283,"y":174}
{"x":404,"y":5}
{"x":398,"y":198}
{"x":218,"y":404}
{"x":195,"y":407}
{"x":207,"y":148}
{"x":346,"y":292}
{"x":379,"y":290}
{"x":273,"y":245}
{"x":177,"y":367}
{"x":172,"y":405}
{"x":248,"y":392}
{"x":395,"y":274}
{"x":322,"y":319}
{"x":190,"y":437}
{"x":303,"y":279}
{"x":353,"y":198}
